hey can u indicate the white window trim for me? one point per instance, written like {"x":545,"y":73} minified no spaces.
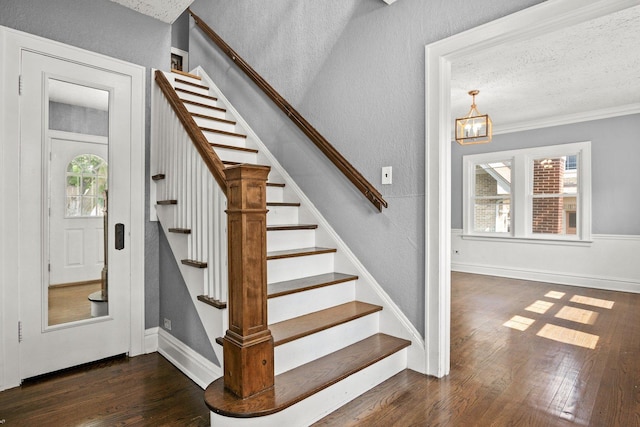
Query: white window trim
{"x":521,"y":197}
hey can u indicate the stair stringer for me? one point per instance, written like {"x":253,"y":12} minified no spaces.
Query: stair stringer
{"x":214,"y":321}
{"x":392,"y":319}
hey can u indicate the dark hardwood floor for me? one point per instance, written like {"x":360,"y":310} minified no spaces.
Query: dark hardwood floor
{"x":140,"y":391}
{"x":523,"y":354}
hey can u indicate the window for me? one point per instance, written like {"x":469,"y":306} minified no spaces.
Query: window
{"x":535,"y":193}
{"x":86,"y":186}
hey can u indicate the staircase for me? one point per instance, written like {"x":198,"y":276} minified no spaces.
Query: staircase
{"x":336,"y":334}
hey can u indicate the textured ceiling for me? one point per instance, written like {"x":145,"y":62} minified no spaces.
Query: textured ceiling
{"x":593,"y":67}
{"x":164,"y":10}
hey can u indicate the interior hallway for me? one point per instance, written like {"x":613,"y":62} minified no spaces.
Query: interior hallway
{"x":523,"y":353}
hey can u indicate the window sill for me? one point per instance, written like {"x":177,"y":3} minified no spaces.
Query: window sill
{"x":529,"y":240}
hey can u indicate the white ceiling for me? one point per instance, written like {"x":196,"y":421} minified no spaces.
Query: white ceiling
{"x":75,"y":94}
{"x":164,"y":10}
{"x":587,"y":70}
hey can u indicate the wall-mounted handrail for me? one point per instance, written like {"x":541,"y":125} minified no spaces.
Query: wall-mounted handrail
{"x":365,"y":187}
{"x":209,"y":157}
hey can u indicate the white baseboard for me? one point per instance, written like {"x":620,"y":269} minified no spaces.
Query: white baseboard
{"x":201,"y":370}
{"x":607,"y":262}
{"x":607,"y":283}
{"x":151,"y":340}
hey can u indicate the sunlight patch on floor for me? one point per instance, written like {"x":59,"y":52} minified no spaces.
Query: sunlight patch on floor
{"x":595,"y":302}
{"x":555,"y":294}
{"x":568,"y":336}
{"x":579,"y":315}
{"x":540,"y":306}
{"x":519,"y":322}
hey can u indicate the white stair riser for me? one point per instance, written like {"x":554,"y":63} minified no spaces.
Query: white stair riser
{"x":215,"y":124}
{"x":304,"y":350}
{"x":279,"y":270}
{"x":201,"y":99}
{"x":207,"y":111}
{"x":173,"y":76}
{"x":275,"y":194}
{"x":301,"y":303}
{"x":313,"y":408}
{"x":202,"y":91}
{"x":282,"y":240}
{"x":220,"y":138}
{"x":279,"y":215}
{"x":235,"y":156}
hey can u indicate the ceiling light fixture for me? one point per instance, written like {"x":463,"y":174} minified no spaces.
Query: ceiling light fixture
{"x":475,"y":128}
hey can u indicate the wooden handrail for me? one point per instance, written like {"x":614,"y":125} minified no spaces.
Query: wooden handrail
{"x":210,"y":158}
{"x":365,"y":187}
{"x":248,"y":344}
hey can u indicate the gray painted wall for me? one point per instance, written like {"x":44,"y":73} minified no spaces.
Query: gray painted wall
{"x":108,"y":28}
{"x":177,"y":306}
{"x":355,"y":69}
{"x":615,"y":174}
{"x":180,"y":32}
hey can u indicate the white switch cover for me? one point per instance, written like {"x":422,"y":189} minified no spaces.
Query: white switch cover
{"x":386,"y":175}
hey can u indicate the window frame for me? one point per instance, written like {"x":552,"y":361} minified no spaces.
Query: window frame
{"x":522,"y":192}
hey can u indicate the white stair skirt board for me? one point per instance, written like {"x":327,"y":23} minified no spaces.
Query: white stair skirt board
{"x":326,"y":401}
{"x":300,"y":303}
{"x":309,"y":348}
{"x":201,"y":370}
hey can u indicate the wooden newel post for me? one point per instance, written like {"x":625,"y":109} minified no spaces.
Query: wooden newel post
{"x":248,"y":344}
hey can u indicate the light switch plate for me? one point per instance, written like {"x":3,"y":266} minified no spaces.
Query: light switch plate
{"x":387,"y":176}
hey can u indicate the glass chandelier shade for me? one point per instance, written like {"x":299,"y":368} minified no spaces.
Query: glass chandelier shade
{"x":475,"y":128}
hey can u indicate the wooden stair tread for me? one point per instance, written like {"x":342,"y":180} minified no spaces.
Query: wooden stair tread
{"x":204,"y":116}
{"x":190,"y":92}
{"x":167,"y":202}
{"x":279,"y":289}
{"x":158,"y":177}
{"x":222,"y":132}
{"x":302,"y":326}
{"x":291,"y":253}
{"x":230,"y":163}
{"x":200,"y":104}
{"x":194,"y":263}
{"x":193,"y":76}
{"x":275,"y":184}
{"x":233,"y":147}
{"x":287,"y":227}
{"x":185,"y":82}
{"x":212,"y":302}
{"x":291,"y":204}
{"x":180,"y":230}
{"x":304,"y":381}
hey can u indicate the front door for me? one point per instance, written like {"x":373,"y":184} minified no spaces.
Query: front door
{"x":75,"y":123}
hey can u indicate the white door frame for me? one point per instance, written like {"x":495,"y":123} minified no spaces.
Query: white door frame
{"x":523,"y":25}
{"x":12,"y":42}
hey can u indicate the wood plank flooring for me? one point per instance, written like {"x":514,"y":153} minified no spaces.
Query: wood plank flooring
{"x":140,"y":391}
{"x":521,"y":355}
{"x":537,"y":371}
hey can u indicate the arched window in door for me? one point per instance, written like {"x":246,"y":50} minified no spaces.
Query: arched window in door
{"x":86,"y":185}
